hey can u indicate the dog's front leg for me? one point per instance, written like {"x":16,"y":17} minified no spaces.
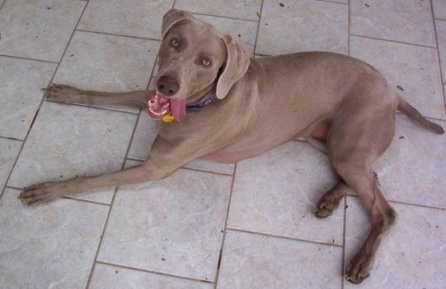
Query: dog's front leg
{"x":48,"y":191}
{"x":68,"y":94}
{"x":167,"y":155}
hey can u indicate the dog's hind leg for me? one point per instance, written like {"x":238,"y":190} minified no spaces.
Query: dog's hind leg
{"x":330,"y":200}
{"x":382,"y":217}
{"x":355,"y":141}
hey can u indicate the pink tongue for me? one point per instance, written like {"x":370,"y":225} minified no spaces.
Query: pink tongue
{"x":159,"y":106}
{"x":178,"y":109}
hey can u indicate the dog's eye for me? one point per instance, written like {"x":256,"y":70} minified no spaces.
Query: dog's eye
{"x":206,"y":61}
{"x":174,"y":43}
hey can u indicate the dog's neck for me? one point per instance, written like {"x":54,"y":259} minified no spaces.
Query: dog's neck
{"x":201,"y":99}
{"x":205,"y":101}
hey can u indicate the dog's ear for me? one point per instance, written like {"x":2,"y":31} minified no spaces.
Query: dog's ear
{"x":237,"y":63}
{"x":172,"y":17}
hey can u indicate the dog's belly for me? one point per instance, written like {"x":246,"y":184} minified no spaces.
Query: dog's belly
{"x":251,"y":147}
{"x":232,"y":155}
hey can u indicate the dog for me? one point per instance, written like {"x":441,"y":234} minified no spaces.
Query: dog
{"x":216,"y":103}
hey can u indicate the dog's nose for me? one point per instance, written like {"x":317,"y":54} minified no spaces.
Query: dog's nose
{"x":168,"y":85}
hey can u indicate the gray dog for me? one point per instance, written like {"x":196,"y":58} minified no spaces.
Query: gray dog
{"x":217,"y":103}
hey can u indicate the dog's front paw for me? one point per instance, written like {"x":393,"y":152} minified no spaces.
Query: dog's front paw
{"x":39,"y":194}
{"x":63,"y":93}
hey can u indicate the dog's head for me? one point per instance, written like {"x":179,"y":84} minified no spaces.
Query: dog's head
{"x":195,"y":59}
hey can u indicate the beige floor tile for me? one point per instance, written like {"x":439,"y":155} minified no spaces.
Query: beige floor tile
{"x":208,"y":166}
{"x":141,"y":19}
{"x":171,"y":226}
{"x":145,"y":133}
{"x":249,"y":9}
{"x":38,"y":29}
{"x":51,"y":246}
{"x":411,"y":256}
{"x":255,"y":261}
{"x":439,"y":7}
{"x":108,"y":63}
{"x":413,"y":169}
{"x":276,"y":193}
{"x":397,"y":20}
{"x":242,"y":30}
{"x":302,"y":26}
{"x":441,"y":38}
{"x":9,"y":150}
{"x":111,"y":277}
{"x":20,"y":84}
{"x":414,"y":69}
{"x":69,"y":140}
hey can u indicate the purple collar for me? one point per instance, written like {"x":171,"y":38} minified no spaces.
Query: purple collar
{"x":201,"y":104}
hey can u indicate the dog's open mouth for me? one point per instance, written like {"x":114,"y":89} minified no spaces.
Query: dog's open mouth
{"x":160,"y":106}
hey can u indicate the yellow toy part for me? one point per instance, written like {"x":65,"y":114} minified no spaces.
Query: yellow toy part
{"x":168,"y":118}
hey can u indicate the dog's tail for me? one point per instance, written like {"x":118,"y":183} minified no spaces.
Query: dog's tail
{"x":416,"y":116}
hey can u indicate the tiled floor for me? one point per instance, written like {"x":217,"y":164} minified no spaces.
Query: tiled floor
{"x":237,"y":226}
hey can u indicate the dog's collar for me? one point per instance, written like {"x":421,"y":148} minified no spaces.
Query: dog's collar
{"x":201,"y":104}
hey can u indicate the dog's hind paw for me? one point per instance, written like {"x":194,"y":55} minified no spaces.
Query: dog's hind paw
{"x":330,"y":200}
{"x":325,"y":208}
{"x":359,"y":268}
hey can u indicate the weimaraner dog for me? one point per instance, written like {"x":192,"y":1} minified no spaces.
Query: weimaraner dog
{"x":216,"y":103}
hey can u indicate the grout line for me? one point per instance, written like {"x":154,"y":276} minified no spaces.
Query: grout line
{"x":416,"y":205}
{"x":262,"y":55}
{"x":118,"y":35}
{"x":134,"y":159}
{"x":85,"y":201}
{"x":349,"y":12}
{"x":258,"y":29}
{"x":207,"y":172}
{"x":332,"y":244}
{"x":10,"y":138}
{"x":344,"y":234}
{"x":392,"y":41}
{"x":442,"y":73}
{"x":30,"y":59}
{"x":225,"y":17}
{"x":129,"y":146}
{"x":188,"y":168}
{"x":334,"y":2}
{"x":405,"y":203}
{"x":225,"y":227}
{"x":93,"y":107}
{"x":101,"y":239}
{"x":153,"y":272}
